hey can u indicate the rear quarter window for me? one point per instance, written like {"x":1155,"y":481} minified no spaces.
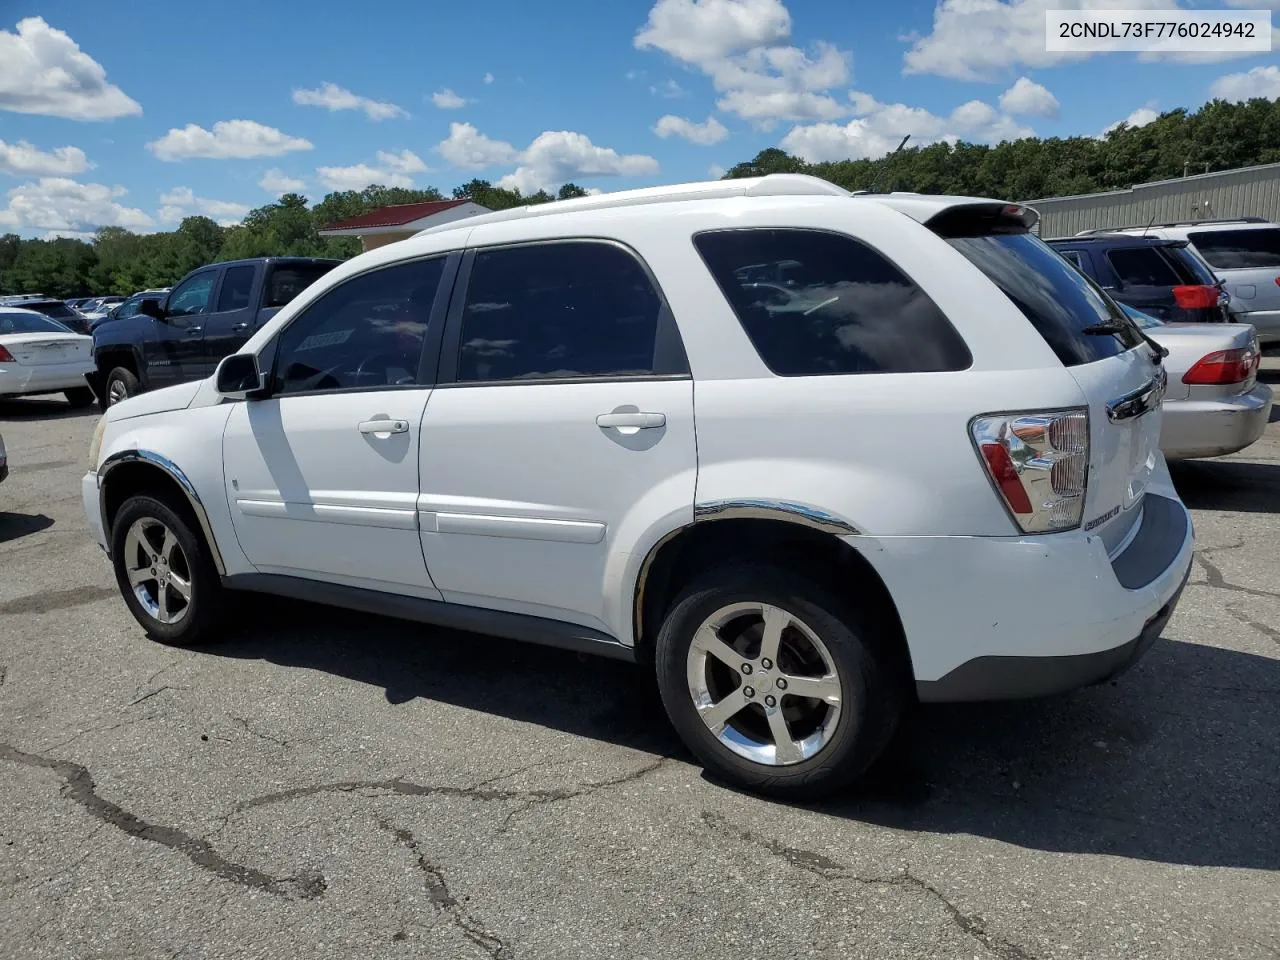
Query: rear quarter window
{"x":815,"y":303}
{"x":1238,"y":249}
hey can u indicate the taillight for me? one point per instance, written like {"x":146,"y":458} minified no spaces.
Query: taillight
{"x":1038,"y":463}
{"x":1198,"y":296}
{"x":5,"y":355}
{"x":1225,"y":366}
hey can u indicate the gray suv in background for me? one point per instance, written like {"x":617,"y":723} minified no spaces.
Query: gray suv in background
{"x":1244,"y":253}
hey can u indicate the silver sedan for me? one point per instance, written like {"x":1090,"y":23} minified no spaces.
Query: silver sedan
{"x":1214,"y":404}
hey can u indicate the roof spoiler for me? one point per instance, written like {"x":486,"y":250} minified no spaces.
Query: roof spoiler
{"x":983,"y":219}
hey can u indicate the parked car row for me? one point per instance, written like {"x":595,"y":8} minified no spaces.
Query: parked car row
{"x":492,"y":426}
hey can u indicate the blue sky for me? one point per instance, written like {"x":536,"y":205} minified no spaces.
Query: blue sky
{"x":138,"y":114}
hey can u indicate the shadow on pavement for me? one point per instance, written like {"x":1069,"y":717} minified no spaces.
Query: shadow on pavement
{"x":1228,"y":485}
{"x":44,"y":407}
{"x":1174,"y":762}
{"x":16,"y":525}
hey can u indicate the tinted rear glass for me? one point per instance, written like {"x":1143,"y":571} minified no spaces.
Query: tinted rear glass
{"x":290,"y":279}
{"x":59,"y":311}
{"x":1142,"y":267}
{"x":1238,"y":249}
{"x":1190,"y":266}
{"x":817,"y":303}
{"x":28,"y":323}
{"x":1059,"y":301}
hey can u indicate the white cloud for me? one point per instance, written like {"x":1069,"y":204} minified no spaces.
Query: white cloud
{"x":58,"y":203}
{"x":880,"y":127}
{"x":701,"y":31}
{"x":557,"y":156}
{"x":706,"y":133}
{"x":1029,"y":98}
{"x":715,"y":171}
{"x":468,"y":148}
{"x":44,"y":71}
{"x":1139,"y":118}
{"x":668,"y":90}
{"x":23,"y":159}
{"x":182,"y":202}
{"x":277,"y":181}
{"x":488,"y":78}
{"x":229,"y":139}
{"x":393,"y":170}
{"x":446,"y":99}
{"x":333,"y":97}
{"x":740,"y":45}
{"x":1258,"y":82}
{"x":984,"y":39}
{"x":1254,"y":4}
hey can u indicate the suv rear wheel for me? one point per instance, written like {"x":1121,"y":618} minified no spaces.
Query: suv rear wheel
{"x":164,"y":572}
{"x":774,"y":684}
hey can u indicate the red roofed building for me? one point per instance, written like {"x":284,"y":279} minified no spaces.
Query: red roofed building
{"x":400,"y":221}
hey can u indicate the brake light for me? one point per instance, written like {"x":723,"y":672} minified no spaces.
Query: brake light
{"x":1038,"y":462}
{"x":1198,"y":296}
{"x":1224,"y":366}
{"x":5,"y":355}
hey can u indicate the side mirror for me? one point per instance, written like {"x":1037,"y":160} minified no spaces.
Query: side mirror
{"x":152,"y":308}
{"x":238,"y":376}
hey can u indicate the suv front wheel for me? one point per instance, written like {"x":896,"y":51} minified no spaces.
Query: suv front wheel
{"x":164,"y":571}
{"x":773,"y":683}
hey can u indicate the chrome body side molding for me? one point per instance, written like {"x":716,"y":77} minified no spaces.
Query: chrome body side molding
{"x":174,"y":473}
{"x":783,"y":510}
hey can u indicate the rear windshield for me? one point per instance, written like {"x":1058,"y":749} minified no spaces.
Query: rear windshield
{"x":290,"y":279}
{"x":1059,"y":301}
{"x":1238,"y":249}
{"x":28,"y":323}
{"x":1143,"y":267}
{"x":59,"y":311}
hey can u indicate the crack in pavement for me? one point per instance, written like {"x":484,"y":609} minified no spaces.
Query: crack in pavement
{"x":244,"y":725}
{"x":823,"y":866}
{"x":1262,"y":628}
{"x":1217,"y":581}
{"x":442,"y":898}
{"x":78,"y":786}
{"x":157,"y":690}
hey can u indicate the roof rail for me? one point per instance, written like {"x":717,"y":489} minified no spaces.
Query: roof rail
{"x":1174,"y":223}
{"x":773,"y":185}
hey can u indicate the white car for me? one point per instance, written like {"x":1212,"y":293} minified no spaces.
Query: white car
{"x":39,"y":355}
{"x":1214,"y":404}
{"x":581,"y":424}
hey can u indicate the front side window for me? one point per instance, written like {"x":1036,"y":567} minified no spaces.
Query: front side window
{"x":237,"y":284}
{"x":191,"y":296}
{"x":817,"y":303}
{"x":1238,"y":249}
{"x":365,"y":333}
{"x":1142,"y":267}
{"x":559,"y":310}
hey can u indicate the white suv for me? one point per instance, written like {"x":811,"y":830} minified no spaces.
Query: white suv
{"x":812,"y":455}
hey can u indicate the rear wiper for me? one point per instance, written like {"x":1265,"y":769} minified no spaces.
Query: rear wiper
{"x":1110,"y":327}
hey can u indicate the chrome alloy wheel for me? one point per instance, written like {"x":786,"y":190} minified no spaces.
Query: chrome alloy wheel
{"x":157,"y":570}
{"x":116,"y":392}
{"x":764,"y":683}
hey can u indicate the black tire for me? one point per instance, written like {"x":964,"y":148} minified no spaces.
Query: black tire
{"x":127,"y":381}
{"x":872,"y":693}
{"x":79,"y":396}
{"x":203,"y":611}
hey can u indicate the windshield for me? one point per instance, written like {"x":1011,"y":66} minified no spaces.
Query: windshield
{"x":1239,"y":249}
{"x":14,"y":322}
{"x":1059,"y":300}
{"x":1144,"y":320}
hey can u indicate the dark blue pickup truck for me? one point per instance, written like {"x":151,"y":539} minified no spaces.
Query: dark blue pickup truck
{"x":208,"y":314}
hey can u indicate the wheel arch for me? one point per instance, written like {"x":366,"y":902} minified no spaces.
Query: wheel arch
{"x":129,"y":472}
{"x":800,"y":537}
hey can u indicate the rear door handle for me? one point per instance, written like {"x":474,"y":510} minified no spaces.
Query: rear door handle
{"x":384,"y":426}
{"x":192,"y":330}
{"x":239,"y":326}
{"x":641,"y":421}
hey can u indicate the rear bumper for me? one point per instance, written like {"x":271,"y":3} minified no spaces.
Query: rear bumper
{"x":996,"y":618}
{"x":1213,"y":428}
{"x":16,"y":379}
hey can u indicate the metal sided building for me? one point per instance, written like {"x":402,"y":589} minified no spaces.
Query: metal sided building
{"x":1244,"y":192}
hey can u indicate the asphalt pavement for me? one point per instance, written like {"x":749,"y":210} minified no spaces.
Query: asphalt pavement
{"x":326,"y":784}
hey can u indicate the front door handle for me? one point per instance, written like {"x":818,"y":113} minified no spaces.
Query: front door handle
{"x":640,"y":421}
{"x":239,"y":326}
{"x":388,"y":427}
{"x":192,"y":330}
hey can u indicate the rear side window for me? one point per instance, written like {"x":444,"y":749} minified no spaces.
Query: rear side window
{"x":1238,"y":249}
{"x":564,"y":310}
{"x":815,"y":303}
{"x":1060,"y":302}
{"x":237,"y":283}
{"x":1072,"y":257}
{"x":1142,"y":267}
{"x":287,"y":280}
